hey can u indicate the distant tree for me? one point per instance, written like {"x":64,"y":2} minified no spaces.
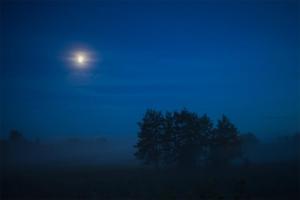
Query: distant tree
{"x":225,"y":143}
{"x":149,"y":145}
{"x":73,"y":140}
{"x":248,"y":139}
{"x":248,"y":142}
{"x":16,"y":136}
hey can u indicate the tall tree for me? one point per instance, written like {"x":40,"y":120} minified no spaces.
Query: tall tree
{"x":206,"y":129}
{"x":149,"y":147}
{"x":169,"y":140}
{"x":186,"y":136}
{"x":225,"y":144}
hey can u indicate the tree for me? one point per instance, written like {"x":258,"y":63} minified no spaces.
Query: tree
{"x":189,"y":137}
{"x":149,"y":147}
{"x":225,"y":143}
{"x":186,"y":139}
{"x":206,"y":130}
{"x":168,"y":139}
{"x":16,"y":136}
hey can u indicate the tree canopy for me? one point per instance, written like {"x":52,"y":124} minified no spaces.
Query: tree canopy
{"x":186,"y":139}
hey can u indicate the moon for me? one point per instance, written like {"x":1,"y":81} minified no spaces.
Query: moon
{"x":81,"y":59}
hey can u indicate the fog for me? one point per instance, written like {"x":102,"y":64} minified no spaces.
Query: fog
{"x":106,"y":168}
{"x":69,"y":151}
{"x":120,"y":151}
{"x":279,"y":149}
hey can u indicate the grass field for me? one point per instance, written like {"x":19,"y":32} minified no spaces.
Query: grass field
{"x":264,"y":181}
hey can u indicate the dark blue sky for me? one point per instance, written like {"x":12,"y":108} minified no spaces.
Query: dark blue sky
{"x":240,"y":58}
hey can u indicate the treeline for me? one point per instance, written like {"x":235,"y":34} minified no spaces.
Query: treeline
{"x":17,"y":137}
{"x":186,"y":139}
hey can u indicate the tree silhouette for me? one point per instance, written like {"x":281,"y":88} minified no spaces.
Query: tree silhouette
{"x":225,"y":144}
{"x":206,"y":129}
{"x":169,"y":140}
{"x":190,"y":136}
{"x":186,"y":139}
{"x":16,"y":136}
{"x":149,"y":147}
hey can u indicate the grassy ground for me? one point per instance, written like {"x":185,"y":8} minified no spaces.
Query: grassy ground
{"x":264,"y":181}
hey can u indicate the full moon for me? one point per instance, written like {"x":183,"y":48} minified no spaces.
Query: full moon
{"x":81,"y":59}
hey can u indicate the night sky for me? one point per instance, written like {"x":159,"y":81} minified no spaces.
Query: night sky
{"x":240,"y":58}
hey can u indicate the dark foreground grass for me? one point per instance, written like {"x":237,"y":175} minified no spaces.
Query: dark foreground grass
{"x":260,"y":181}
